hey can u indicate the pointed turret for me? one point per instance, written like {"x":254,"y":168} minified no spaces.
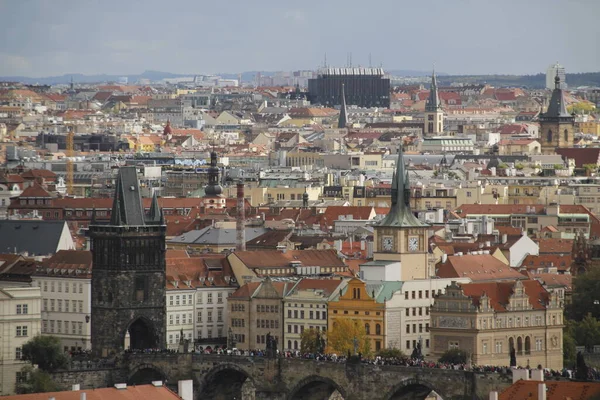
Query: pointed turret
{"x":557,"y":108}
{"x":343,"y":120}
{"x":400,"y":214}
{"x":433,"y":102}
{"x":127,"y":204}
{"x":213,"y":188}
{"x":155,"y":216}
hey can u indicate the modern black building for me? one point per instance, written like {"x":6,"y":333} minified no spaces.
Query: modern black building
{"x":364,"y":87}
{"x":129,"y":279}
{"x":94,"y":141}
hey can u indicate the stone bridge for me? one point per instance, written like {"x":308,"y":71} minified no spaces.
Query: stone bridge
{"x":249,"y":378}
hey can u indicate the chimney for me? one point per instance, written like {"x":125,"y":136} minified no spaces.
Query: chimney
{"x":120,"y":386}
{"x":185,"y":389}
{"x":504,"y":238}
{"x":82,"y":396}
{"x":541,"y":391}
{"x":76,"y":387}
{"x":537,"y":375}
{"x":493,"y":395}
{"x":363,"y":244}
{"x":241,"y":217}
{"x":337,"y":244}
{"x":444,"y":258}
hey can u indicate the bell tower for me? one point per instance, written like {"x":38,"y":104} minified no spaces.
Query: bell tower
{"x":129,"y":273}
{"x":401,"y":236}
{"x":556,"y":124}
{"x":434,"y":115}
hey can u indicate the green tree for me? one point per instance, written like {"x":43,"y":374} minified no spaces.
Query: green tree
{"x":454,"y":356}
{"x":36,"y":381}
{"x":46,"y":352}
{"x":582,"y":107}
{"x":569,"y":346}
{"x":587,"y":331}
{"x":341,"y":338}
{"x":392,"y":352}
{"x":519,"y":167}
{"x":312,"y":341}
{"x":586,"y":296}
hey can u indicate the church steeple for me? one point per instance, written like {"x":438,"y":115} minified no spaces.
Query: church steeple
{"x":400,"y":214}
{"x":343,"y":119}
{"x":557,"y":126}
{"x":213,"y":188}
{"x":433,"y":102}
{"x":434,"y":115}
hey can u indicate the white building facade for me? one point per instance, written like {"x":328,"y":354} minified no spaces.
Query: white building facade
{"x":19,"y":322}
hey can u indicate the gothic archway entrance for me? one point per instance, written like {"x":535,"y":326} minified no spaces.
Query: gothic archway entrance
{"x":142,"y":335}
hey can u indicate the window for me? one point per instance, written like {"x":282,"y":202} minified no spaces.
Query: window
{"x":18,"y":354}
{"x":22,"y":309}
{"x":209,"y":298}
{"x":45,"y":286}
{"x":452,"y":345}
{"x":183,"y":300}
{"x":420,"y":294}
{"x":407,"y":311}
{"x":405,"y":295}
{"x":485,"y":348}
{"x":199,"y":298}
{"x":45,"y":305}
{"x":407,"y":328}
{"x":171,"y":319}
{"x":59,"y":302}
{"x":199,"y":316}
{"x":59,"y":326}
{"x":324,"y":314}
{"x":378,"y":329}
{"x":219,"y":298}
{"x":22,"y":330}
{"x":73,"y":327}
{"x":220,"y":316}
{"x":170,"y":300}
{"x":368,"y":329}
{"x":408,"y":344}
{"x":60,"y":286}
{"x":51,"y":304}
{"x":52,"y":326}
{"x":81,"y":288}
{"x":209,"y":316}
{"x":498,"y":347}
{"x":52,"y":286}
{"x":140,"y":288}
{"x":413,"y":294}
{"x":170,"y":339}
{"x":80,"y":302}
{"x":183,"y":319}
{"x":176,"y":319}
{"x":67,"y":305}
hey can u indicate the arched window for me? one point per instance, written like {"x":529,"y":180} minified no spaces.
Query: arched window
{"x":549,"y":139}
{"x":519,"y":345}
{"x":566,"y":135}
{"x":527,"y":345}
{"x":368,"y":329}
{"x":378,"y":329}
{"x":289,"y":344}
{"x":295,"y":345}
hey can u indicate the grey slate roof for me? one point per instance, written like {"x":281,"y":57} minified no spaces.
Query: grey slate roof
{"x":127,"y":207}
{"x":213,"y":236}
{"x":36,"y":237}
{"x":557,"y":108}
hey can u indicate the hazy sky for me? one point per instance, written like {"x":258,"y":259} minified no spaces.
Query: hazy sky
{"x":55,"y":37}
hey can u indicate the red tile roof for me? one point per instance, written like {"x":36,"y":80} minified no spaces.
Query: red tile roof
{"x":555,"y":246}
{"x":35,"y":190}
{"x":500,"y":292}
{"x":328,"y":286}
{"x":135,"y":392}
{"x":278,"y":259}
{"x":562,"y":262}
{"x":552,"y":280}
{"x":333,"y":213}
{"x":582,"y":156}
{"x":555,"y":390}
{"x":480,"y":267}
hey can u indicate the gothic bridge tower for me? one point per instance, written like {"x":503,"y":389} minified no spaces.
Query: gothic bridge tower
{"x":129,"y":273}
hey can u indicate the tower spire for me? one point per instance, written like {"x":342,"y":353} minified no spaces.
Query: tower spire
{"x":400,"y":214}
{"x":433,"y":102}
{"x":343,"y":119}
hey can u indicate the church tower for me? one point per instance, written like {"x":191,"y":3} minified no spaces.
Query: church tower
{"x":556,"y":124}
{"x":213,"y":200}
{"x":128,"y":283}
{"x":401,"y":236}
{"x":434,"y":115}
{"x":343,"y":118}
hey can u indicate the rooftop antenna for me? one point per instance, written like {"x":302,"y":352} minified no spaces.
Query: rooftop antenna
{"x":325,"y":61}
{"x":369,"y":60}
{"x":350,"y":58}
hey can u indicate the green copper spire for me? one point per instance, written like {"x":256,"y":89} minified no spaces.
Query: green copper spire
{"x":400,"y":214}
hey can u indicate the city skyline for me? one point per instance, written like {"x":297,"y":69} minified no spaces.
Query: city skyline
{"x":459,"y":37}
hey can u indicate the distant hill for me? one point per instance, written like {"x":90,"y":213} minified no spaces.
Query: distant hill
{"x":527,"y":81}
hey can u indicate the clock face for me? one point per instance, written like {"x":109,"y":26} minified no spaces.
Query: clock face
{"x":413,"y":243}
{"x":387,"y":243}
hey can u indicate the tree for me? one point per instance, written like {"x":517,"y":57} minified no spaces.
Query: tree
{"x":341,"y":338}
{"x":37,"y":381}
{"x":587,"y":331}
{"x":45,"y":351}
{"x":519,"y":167}
{"x":312,"y":341}
{"x":582,"y":107}
{"x":454,"y":356}
{"x":586,"y":295}
{"x":391,"y":353}
{"x":569,"y":346}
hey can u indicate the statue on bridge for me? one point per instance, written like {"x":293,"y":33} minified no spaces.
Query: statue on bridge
{"x":513,"y":357}
{"x":271,"y":346}
{"x":417,"y":353}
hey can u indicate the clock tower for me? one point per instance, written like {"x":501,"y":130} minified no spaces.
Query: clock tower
{"x":401,"y":237}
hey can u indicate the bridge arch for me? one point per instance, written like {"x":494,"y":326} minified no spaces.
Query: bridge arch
{"x":225,"y":381}
{"x":307,"y":386}
{"x":145,"y":374}
{"x":407,"y":387}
